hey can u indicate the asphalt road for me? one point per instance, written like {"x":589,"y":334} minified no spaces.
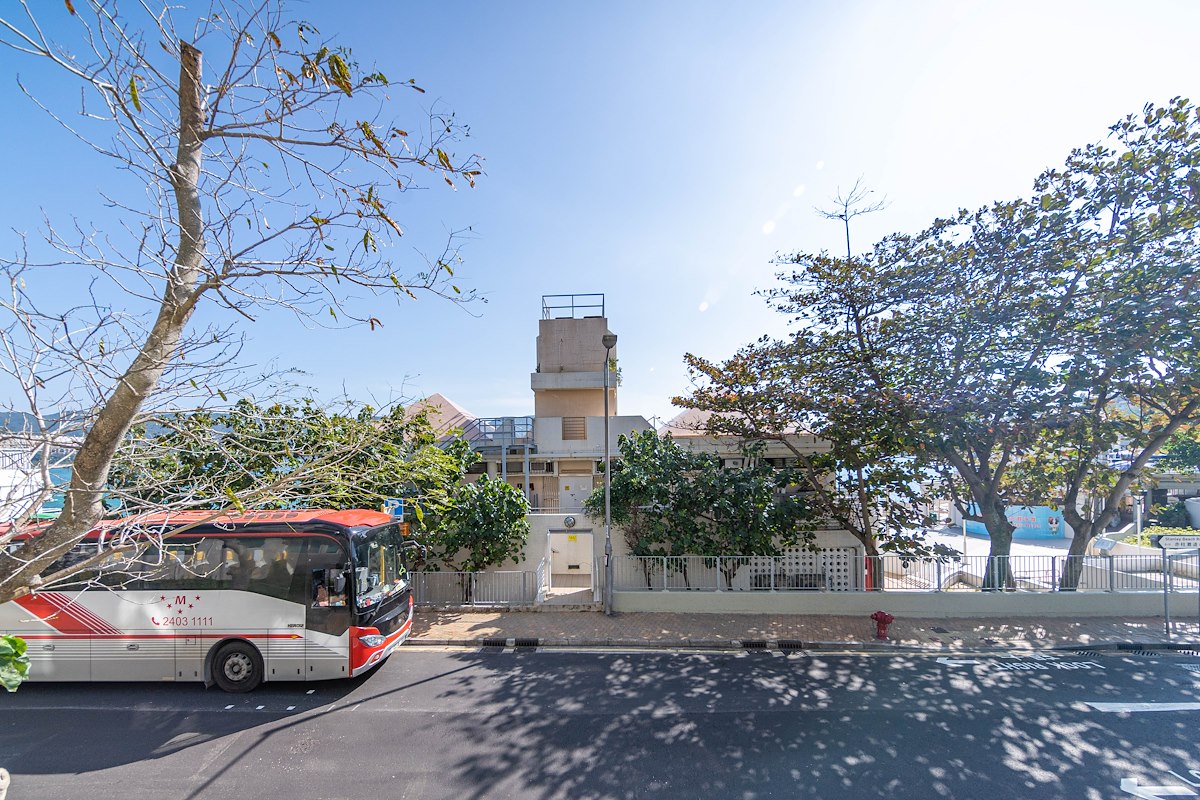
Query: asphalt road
{"x":557,"y":724}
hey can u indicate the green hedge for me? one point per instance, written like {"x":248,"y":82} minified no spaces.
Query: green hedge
{"x":1158,"y":530}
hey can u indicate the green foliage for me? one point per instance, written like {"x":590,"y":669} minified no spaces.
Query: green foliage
{"x":484,"y":526}
{"x":671,"y":501}
{"x":304,"y":456}
{"x":1183,"y":450}
{"x":1143,"y":539}
{"x":287,"y":456}
{"x":1172,"y":516}
{"x":1007,"y":348}
{"x":14,"y":663}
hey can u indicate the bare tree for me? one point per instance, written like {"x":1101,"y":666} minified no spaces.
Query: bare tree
{"x":854,"y":203}
{"x":269,"y":180}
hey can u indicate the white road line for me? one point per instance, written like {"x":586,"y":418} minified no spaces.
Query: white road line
{"x":228,"y":707}
{"x":1114,"y":708}
{"x":291,"y":708}
{"x":1131,"y":786}
{"x":260,"y":708}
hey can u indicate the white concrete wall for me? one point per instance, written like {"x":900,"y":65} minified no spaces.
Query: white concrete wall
{"x":911,"y":604}
{"x":542,"y":524}
{"x":547,"y":432}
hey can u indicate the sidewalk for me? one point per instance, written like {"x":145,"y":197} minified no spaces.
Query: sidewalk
{"x":593,"y":629}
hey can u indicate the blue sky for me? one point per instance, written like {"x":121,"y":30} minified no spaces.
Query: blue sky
{"x":661,"y":153}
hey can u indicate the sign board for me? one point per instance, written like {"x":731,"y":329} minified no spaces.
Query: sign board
{"x":1103,"y":545}
{"x":394,"y":506}
{"x":1177,"y":541}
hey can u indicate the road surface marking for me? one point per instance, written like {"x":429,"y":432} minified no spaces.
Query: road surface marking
{"x":1114,"y":708}
{"x":228,"y":707}
{"x":1130,"y":786}
{"x":956,"y":662}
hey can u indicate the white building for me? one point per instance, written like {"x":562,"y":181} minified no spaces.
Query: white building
{"x":556,"y":456}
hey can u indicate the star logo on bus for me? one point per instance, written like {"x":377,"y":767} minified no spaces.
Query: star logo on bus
{"x":179,"y":602}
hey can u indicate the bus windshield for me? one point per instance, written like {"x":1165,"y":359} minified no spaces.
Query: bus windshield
{"x":379,"y":568}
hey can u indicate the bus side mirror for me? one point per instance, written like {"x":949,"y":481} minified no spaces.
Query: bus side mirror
{"x":339,"y":582}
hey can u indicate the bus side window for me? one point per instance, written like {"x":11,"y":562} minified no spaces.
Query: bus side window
{"x":328,"y":588}
{"x":76,"y":555}
{"x":275,"y":567}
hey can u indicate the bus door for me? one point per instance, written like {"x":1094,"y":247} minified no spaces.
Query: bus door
{"x":281,"y":588}
{"x":327,"y":635}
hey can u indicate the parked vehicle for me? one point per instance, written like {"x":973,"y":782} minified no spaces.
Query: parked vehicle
{"x":235,"y":601}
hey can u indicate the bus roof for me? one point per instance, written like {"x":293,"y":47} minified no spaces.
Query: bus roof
{"x":348,"y":518}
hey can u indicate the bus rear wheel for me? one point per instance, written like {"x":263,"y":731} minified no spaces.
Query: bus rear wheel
{"x":237,"y":667}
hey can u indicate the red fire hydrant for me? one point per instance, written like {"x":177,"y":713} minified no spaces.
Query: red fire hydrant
{"x":882,"y":620}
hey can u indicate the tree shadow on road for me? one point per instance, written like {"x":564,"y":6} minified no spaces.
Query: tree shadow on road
{"x":64,"y":728}
{"x":758,"y":726}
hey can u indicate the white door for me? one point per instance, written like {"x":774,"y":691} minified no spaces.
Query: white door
{"x":572,"y":491}
{"x":571,"y":560}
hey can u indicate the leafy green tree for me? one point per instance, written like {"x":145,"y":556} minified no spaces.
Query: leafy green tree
{"x":1005,"y":349}
{"x":287,"y":456}
{"x":668,"y":500}
{"x":302,"y":455}
{"x":865,"y":480}
{"x":650,"y":501}
{"x":484,"y":525}
{"x":14,"y":663}
{"x":1183,"y":450}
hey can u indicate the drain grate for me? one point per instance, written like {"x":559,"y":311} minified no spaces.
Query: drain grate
{"x":754,"y":644}
{"x":791,"y":644}
{"x":525,"y":642}
{"x":494,"y":642}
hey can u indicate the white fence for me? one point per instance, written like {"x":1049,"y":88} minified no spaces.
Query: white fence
{"x":846,"y":570}
{"x":475,"y":588}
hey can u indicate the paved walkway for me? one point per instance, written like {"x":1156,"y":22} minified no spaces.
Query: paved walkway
{"x":591,"y":628}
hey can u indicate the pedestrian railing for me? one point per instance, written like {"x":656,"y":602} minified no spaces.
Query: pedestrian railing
{"x":844,"y":569}
{"x":824,"y":570}
{"x":510,"y":588}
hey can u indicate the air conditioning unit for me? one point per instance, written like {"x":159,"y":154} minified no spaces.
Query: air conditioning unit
{"x":733,"y":463}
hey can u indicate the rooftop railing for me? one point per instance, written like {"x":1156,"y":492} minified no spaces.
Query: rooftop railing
{"x":572,"y":306}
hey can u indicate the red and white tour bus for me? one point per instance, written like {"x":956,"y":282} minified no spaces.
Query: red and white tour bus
{"x":235,"y":601}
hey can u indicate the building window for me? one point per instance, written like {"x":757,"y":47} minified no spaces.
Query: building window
{"x":574,"y":428}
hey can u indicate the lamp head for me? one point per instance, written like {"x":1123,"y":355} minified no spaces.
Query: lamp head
{"x":609,"y":340}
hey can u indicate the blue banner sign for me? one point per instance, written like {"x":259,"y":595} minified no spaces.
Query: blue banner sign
{"x":1030,"y":522}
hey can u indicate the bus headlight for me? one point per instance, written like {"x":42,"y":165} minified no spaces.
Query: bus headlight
{"x":372,"y":639}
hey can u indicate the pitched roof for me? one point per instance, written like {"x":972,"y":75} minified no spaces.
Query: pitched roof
{"x":444,"y":413}
{"x":691,"y":422}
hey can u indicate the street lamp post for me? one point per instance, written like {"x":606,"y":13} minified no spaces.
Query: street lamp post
{"x":609,"y":340}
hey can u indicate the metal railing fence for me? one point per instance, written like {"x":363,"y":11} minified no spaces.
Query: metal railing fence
{"x":720,"y":573}
{"x":508,"y":588}
{"x":833,"y":570}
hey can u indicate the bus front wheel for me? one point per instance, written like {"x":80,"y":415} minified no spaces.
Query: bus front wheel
{"x":237,"y":667}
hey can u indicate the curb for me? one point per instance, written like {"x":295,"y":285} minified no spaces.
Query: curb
{"x":793,"y":645}
{"x":1135,"y":647}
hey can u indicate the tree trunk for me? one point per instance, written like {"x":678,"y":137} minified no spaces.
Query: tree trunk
{"x":83,"y":507}
{"x":873,"y":561}
{"x":1073,"y":569}
{"x":998,"y":574}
